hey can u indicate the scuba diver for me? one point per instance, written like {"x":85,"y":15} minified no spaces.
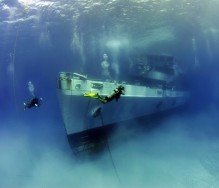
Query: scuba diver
{"x":120,"y":90}
{"x":34,"y":101}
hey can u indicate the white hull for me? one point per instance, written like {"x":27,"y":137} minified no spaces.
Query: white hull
{"x":138,"y":101}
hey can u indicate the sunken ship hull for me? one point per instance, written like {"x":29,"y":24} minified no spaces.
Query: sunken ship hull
{"x":85,"y":116}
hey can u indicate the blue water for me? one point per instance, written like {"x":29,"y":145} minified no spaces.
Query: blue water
{"x":38,"y":39}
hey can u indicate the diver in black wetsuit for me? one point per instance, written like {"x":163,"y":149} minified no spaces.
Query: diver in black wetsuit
{"x":34,"y":102}
{"x":120,"y":90}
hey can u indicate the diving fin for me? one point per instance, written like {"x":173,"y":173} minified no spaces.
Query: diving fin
{"x":91,"y":95}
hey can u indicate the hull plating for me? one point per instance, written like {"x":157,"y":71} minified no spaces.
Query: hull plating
{"x":79,"y":112}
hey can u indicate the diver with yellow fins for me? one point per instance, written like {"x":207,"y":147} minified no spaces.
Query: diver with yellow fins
{"x":120,"y":90}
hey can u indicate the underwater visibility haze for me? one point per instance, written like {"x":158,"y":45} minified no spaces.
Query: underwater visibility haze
{"x":40,"y":38}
